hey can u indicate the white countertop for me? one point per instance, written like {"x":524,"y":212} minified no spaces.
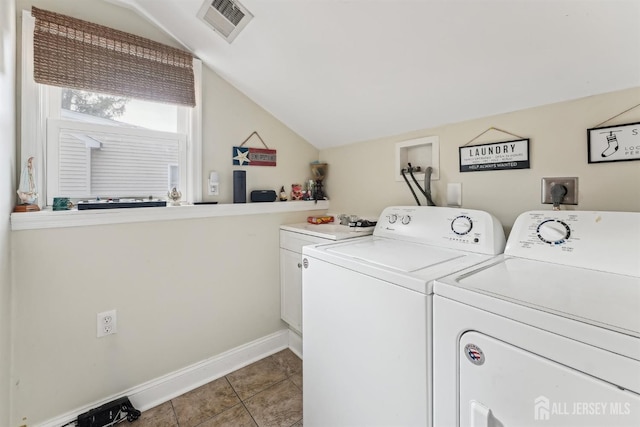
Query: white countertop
{"x":333,"y":231}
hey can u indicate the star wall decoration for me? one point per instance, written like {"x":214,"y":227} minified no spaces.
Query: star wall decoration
{"x":241,"y":155}
{"x":250,"y":156}
{"x":254,"y":156}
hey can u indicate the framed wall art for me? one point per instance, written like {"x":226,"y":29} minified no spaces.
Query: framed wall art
{"x":250,"y":156}
{"x":495,"y":156}
{"x":614,"y":143}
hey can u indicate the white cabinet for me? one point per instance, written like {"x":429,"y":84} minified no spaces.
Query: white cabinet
{"x":291,"y":244}
{"x":292,"y":238}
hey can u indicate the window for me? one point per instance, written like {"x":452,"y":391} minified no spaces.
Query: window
{"x":102,"y":148}
{"x":90,"y":145}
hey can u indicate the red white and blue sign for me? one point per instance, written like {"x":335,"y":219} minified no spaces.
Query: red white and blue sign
{"x":249,"y":156}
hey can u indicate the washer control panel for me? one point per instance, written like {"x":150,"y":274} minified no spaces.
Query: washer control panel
{"x":462,"y":225}
{"x":554,"y":231}
{"x":605,"y":241}
{"x":463,"y":229}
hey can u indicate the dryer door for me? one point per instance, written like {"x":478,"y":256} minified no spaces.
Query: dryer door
{"x":503,"y":385}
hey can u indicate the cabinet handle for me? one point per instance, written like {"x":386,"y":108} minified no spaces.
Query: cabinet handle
{"x":299,"y":265}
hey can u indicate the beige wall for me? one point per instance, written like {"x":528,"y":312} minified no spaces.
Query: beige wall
{"x":361,"y":176}
{"x":184,"y":291}
{"x":228,"y":119}
{"x":7,"y":198}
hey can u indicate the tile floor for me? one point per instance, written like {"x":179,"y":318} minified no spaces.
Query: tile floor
{"x":267,"y":393}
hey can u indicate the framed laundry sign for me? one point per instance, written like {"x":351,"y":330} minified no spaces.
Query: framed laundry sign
{"x":495,"y":156}
{"x":253,"y":156}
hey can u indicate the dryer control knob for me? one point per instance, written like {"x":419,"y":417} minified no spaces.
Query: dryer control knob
{"x":406,"y":219}
{"x":553,"y":231}
{"x":461,"y":225}
{"x":393,"y":218}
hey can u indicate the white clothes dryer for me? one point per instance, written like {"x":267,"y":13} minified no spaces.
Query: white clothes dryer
{"x":367,"y":314}
{"x":547,"y":334}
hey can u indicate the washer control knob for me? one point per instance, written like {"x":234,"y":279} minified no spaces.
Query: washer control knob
{"x":461,"y":225}
{"x":553,"y":231}
{"x":393,"y":218}
{"x":406,"y":219}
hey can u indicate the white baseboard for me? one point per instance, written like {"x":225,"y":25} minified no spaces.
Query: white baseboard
{"x":165,"y":388}
{"x":295,"y":343}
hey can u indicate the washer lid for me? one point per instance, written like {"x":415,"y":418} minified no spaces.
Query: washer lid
{"x":398,"y":255}
{"x":608,"y":300}
{"x":412,"y":265}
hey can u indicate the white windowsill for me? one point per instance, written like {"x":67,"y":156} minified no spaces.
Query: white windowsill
{"x":74,"y":218}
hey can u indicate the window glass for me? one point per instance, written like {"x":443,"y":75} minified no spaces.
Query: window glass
{"x":98,"y":162}
{"x":103,"y":108}
{"x":109,"y":146}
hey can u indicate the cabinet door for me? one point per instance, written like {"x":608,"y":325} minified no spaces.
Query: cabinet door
{"x":291,"y":288}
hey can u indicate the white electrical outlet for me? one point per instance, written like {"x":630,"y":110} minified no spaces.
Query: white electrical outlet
{"x":214,"y":185}
{"x":107,"y":323}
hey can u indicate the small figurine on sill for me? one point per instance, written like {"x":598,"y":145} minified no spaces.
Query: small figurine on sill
{"x":296,"y":192}
{"x":283,"y":194}
{"x":27,"y":192}
{"x":174,"y":195}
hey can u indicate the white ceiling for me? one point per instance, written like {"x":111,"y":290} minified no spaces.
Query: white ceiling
{"x":342,"y":71}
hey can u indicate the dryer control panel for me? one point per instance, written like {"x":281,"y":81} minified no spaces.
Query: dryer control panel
{"x":463,"y":229}
{"x":553,"y":231}
{"x":604,"y":241}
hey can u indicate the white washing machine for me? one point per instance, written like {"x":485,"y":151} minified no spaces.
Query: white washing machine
{"x":367,"y":314}
{"x":547,"y":334}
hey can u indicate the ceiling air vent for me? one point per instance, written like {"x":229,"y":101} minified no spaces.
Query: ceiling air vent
{"x":227,"y":17}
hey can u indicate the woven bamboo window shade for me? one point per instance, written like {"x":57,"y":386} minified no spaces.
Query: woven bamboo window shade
{"x":77,"y":54}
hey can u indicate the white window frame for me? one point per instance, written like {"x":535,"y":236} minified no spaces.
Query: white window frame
{"x":41,"y":102}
